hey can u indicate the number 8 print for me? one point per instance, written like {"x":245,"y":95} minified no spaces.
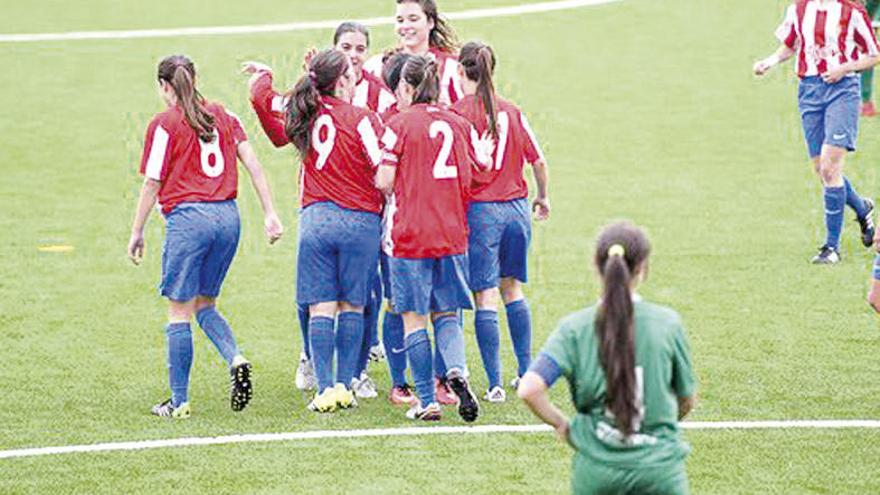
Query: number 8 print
{"x":207,"y":151}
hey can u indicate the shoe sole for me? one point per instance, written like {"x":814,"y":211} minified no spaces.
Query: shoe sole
{"x":468,"y":408}
{"x":242,"y":388}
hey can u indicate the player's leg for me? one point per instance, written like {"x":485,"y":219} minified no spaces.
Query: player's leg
{"x":377,"y":351}
{"x":411,"y":289}
{"x":305,"y":372}
{"x":450,"y":293}
{"x":323,"y":343}
{"x":874,"y":292}
{"x":867,"y":76}
{"x":349,"y":338}
{"x":513,"y":255}
{"x":362,"y":384}
{"x":392,"y":340}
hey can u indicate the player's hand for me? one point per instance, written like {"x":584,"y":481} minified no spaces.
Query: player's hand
{"x":834,"y":75}
{"x":253,"y":67}
{"x":563,"y":433}
{"x":541,"y":208}
{"x":273,"y":228}
{"x":761,"y":67}
{"x":136,"y":247}
{"x":307,"y":58}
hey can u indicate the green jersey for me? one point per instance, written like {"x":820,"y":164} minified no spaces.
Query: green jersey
{"x":663,"y":373}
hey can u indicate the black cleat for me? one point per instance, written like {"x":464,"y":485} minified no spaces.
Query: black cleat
{"x":866,"y":224}
{"x":468,"y":408}
{"x":827,"y":256}
{"x":240,"y":389}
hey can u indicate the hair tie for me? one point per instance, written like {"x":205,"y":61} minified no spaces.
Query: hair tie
{"x":616,"y":250}
{"x":313,"y":76}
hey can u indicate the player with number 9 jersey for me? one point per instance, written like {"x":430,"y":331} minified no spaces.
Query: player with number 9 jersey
{"x":189,"y":165}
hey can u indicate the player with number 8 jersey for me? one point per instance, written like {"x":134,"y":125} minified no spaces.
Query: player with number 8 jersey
{"x":427,"y":168}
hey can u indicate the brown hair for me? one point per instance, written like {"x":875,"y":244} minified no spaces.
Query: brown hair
{"x":620,"y":250}
{"x":325,"y":69}
{"x":420,"y":72}
{"x":442,"y":36}
{"x":180,"y":72}
{"x":392,"y":69}
{"x":478,"y":62}
{"x":351,"y":27}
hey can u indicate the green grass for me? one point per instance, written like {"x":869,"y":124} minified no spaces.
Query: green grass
{"x":647,"y":110}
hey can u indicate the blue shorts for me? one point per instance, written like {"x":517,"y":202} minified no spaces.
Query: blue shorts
{"x":876,"y":271}
{"x":498,"y":242}
{"x":336,"y":247}
{"x":829,"y":113}
{"x":429,"y":285}
{"x":200,"y":242}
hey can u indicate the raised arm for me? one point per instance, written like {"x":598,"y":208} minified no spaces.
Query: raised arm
{"x":266,"y":102}
{"x":271,"y":222}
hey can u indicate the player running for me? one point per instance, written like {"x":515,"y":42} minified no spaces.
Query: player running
{"x":628,"y":365}
{"x":339,"y":228}
{"x":422,"y":31}
{"x":498,"y":216}
{"x":427,"y":169}
{"x":189,"y":165}
{"x":833,"y":39}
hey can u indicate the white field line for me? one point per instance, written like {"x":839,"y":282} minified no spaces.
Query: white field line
{"x":292,"y":26}
{"x":398,"y":432}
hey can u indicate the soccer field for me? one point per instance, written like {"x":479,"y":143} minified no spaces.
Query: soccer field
{"x":647,"y":111}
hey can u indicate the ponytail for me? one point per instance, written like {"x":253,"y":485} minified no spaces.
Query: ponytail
{"x":304,"y":100}
{"x":420,"y":72}
{"x":478,"y":62}
{"x":179,"y":71}
{"x":622,"y":248}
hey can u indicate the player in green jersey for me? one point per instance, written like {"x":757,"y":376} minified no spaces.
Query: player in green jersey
{"x":628,"y":366}
{"x":868,"y":109}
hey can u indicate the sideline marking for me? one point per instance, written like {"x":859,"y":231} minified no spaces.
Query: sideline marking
{"x":405,"y":432}
{"x":292,"y":26}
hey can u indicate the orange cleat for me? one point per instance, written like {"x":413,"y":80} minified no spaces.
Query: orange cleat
{"x":443,"y":393}
{"x":402,"y":396}
{"x":868,"y":109}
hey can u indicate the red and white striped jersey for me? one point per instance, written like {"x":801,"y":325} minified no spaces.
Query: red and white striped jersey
{"x":827,"y":34}
{"x":447,"y":71}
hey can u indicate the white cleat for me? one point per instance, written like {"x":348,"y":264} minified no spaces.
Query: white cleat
{"x":305,"y":374}
{"x":364,"y":387}
{"x":496,"y":394}
{"x":377,"y":353}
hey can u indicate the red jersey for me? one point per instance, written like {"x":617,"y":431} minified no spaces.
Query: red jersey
{"x":270,"y":106}
{"x":342,"y":158}
{"x":190,"y":169}
{"x":516,"y":144}
{"x":826,"y":35}
{"x":391,"y":112}
{"x":433,"y":150}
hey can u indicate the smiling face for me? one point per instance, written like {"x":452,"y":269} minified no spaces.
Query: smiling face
{"x":413,"y":28}
{"x":354,"y":45}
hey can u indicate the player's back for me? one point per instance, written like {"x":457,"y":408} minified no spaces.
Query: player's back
{"x":428,"y":212}
{"x":190,"y":169}
{"x":515,"y":145}
{"x":342,"y":156}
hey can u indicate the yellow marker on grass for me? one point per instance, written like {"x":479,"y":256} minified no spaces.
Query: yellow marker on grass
{"x":58,"y":248}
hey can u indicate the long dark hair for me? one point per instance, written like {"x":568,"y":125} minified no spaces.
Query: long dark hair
{"x":620,"y":250}
{"x":442,"y":36}
{"x":420,"y":72}
{"x":351,"y":27}
{"x":392,"y":68}
{"x":478,"y":61}
{"x":180,"y":72}
{"x":325,"y":69}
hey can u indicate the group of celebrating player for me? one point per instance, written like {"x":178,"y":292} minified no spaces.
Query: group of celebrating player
{"x":419,"y":170}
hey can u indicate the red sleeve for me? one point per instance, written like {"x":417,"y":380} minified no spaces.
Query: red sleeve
{"x":157,"y":152}
{"x":238,"y":133}
{"x":392,"y":144}
{"x":370,"y":128}
{"x":270,"y":115}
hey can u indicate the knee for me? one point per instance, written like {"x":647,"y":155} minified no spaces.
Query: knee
{"x":830,"y":169}
{"x":325,"y":309}
{"x":487,"y":299}
{"x":203,"y":302}
{"x":511,"y":290}
{"x":874,"y":299}
{"x":345,"y":307}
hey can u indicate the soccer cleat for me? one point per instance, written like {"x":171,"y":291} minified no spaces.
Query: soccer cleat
{"x":866,"y":224}
{"x":305,"y":374}
{"x":241,"y":390}
{"x":364,"y":387}
{"x":442,"y":392}
{"x":377,"y":353}
{"x":827,"y":256}
{"x":345,"y":397}
{"x":325,"y":402}
{"x":468,"y":408}
{"x":402,"y":395}
{"x":431,"y":412}
{"x":166,"y":410}
{"x":496,"y":394}
{"x":868,"y":109}
{"x":514,"y":384}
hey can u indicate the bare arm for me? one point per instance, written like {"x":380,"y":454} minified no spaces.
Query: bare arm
{"x":541,"y":204}
{"x":685,"y":406}
{"x":838,"y":73}
{"x":533,"y":391}
{"x":146,"y":201}
{"x":385,"y":178}
{"x":272,"y":224}
{"x":781,"y":54}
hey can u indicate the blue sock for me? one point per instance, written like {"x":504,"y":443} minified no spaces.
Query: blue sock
{"x":373,"y":309}
{"x":322,"y":342}
{"x":418,"y":350}
{"x":450,"y":342}
{"x":363,"y":355}
{"x":180,"y":357}
{"x":519,"y":319}
{"x":349,"y":338}
{"x":217,"y":329}
{"x":439,"y":364}
{"x":486,"y":324}
{"x":853,"y":200}
{"x":302,"y":312}
{"x":392,"y":339}
{"x":835,"y":199}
